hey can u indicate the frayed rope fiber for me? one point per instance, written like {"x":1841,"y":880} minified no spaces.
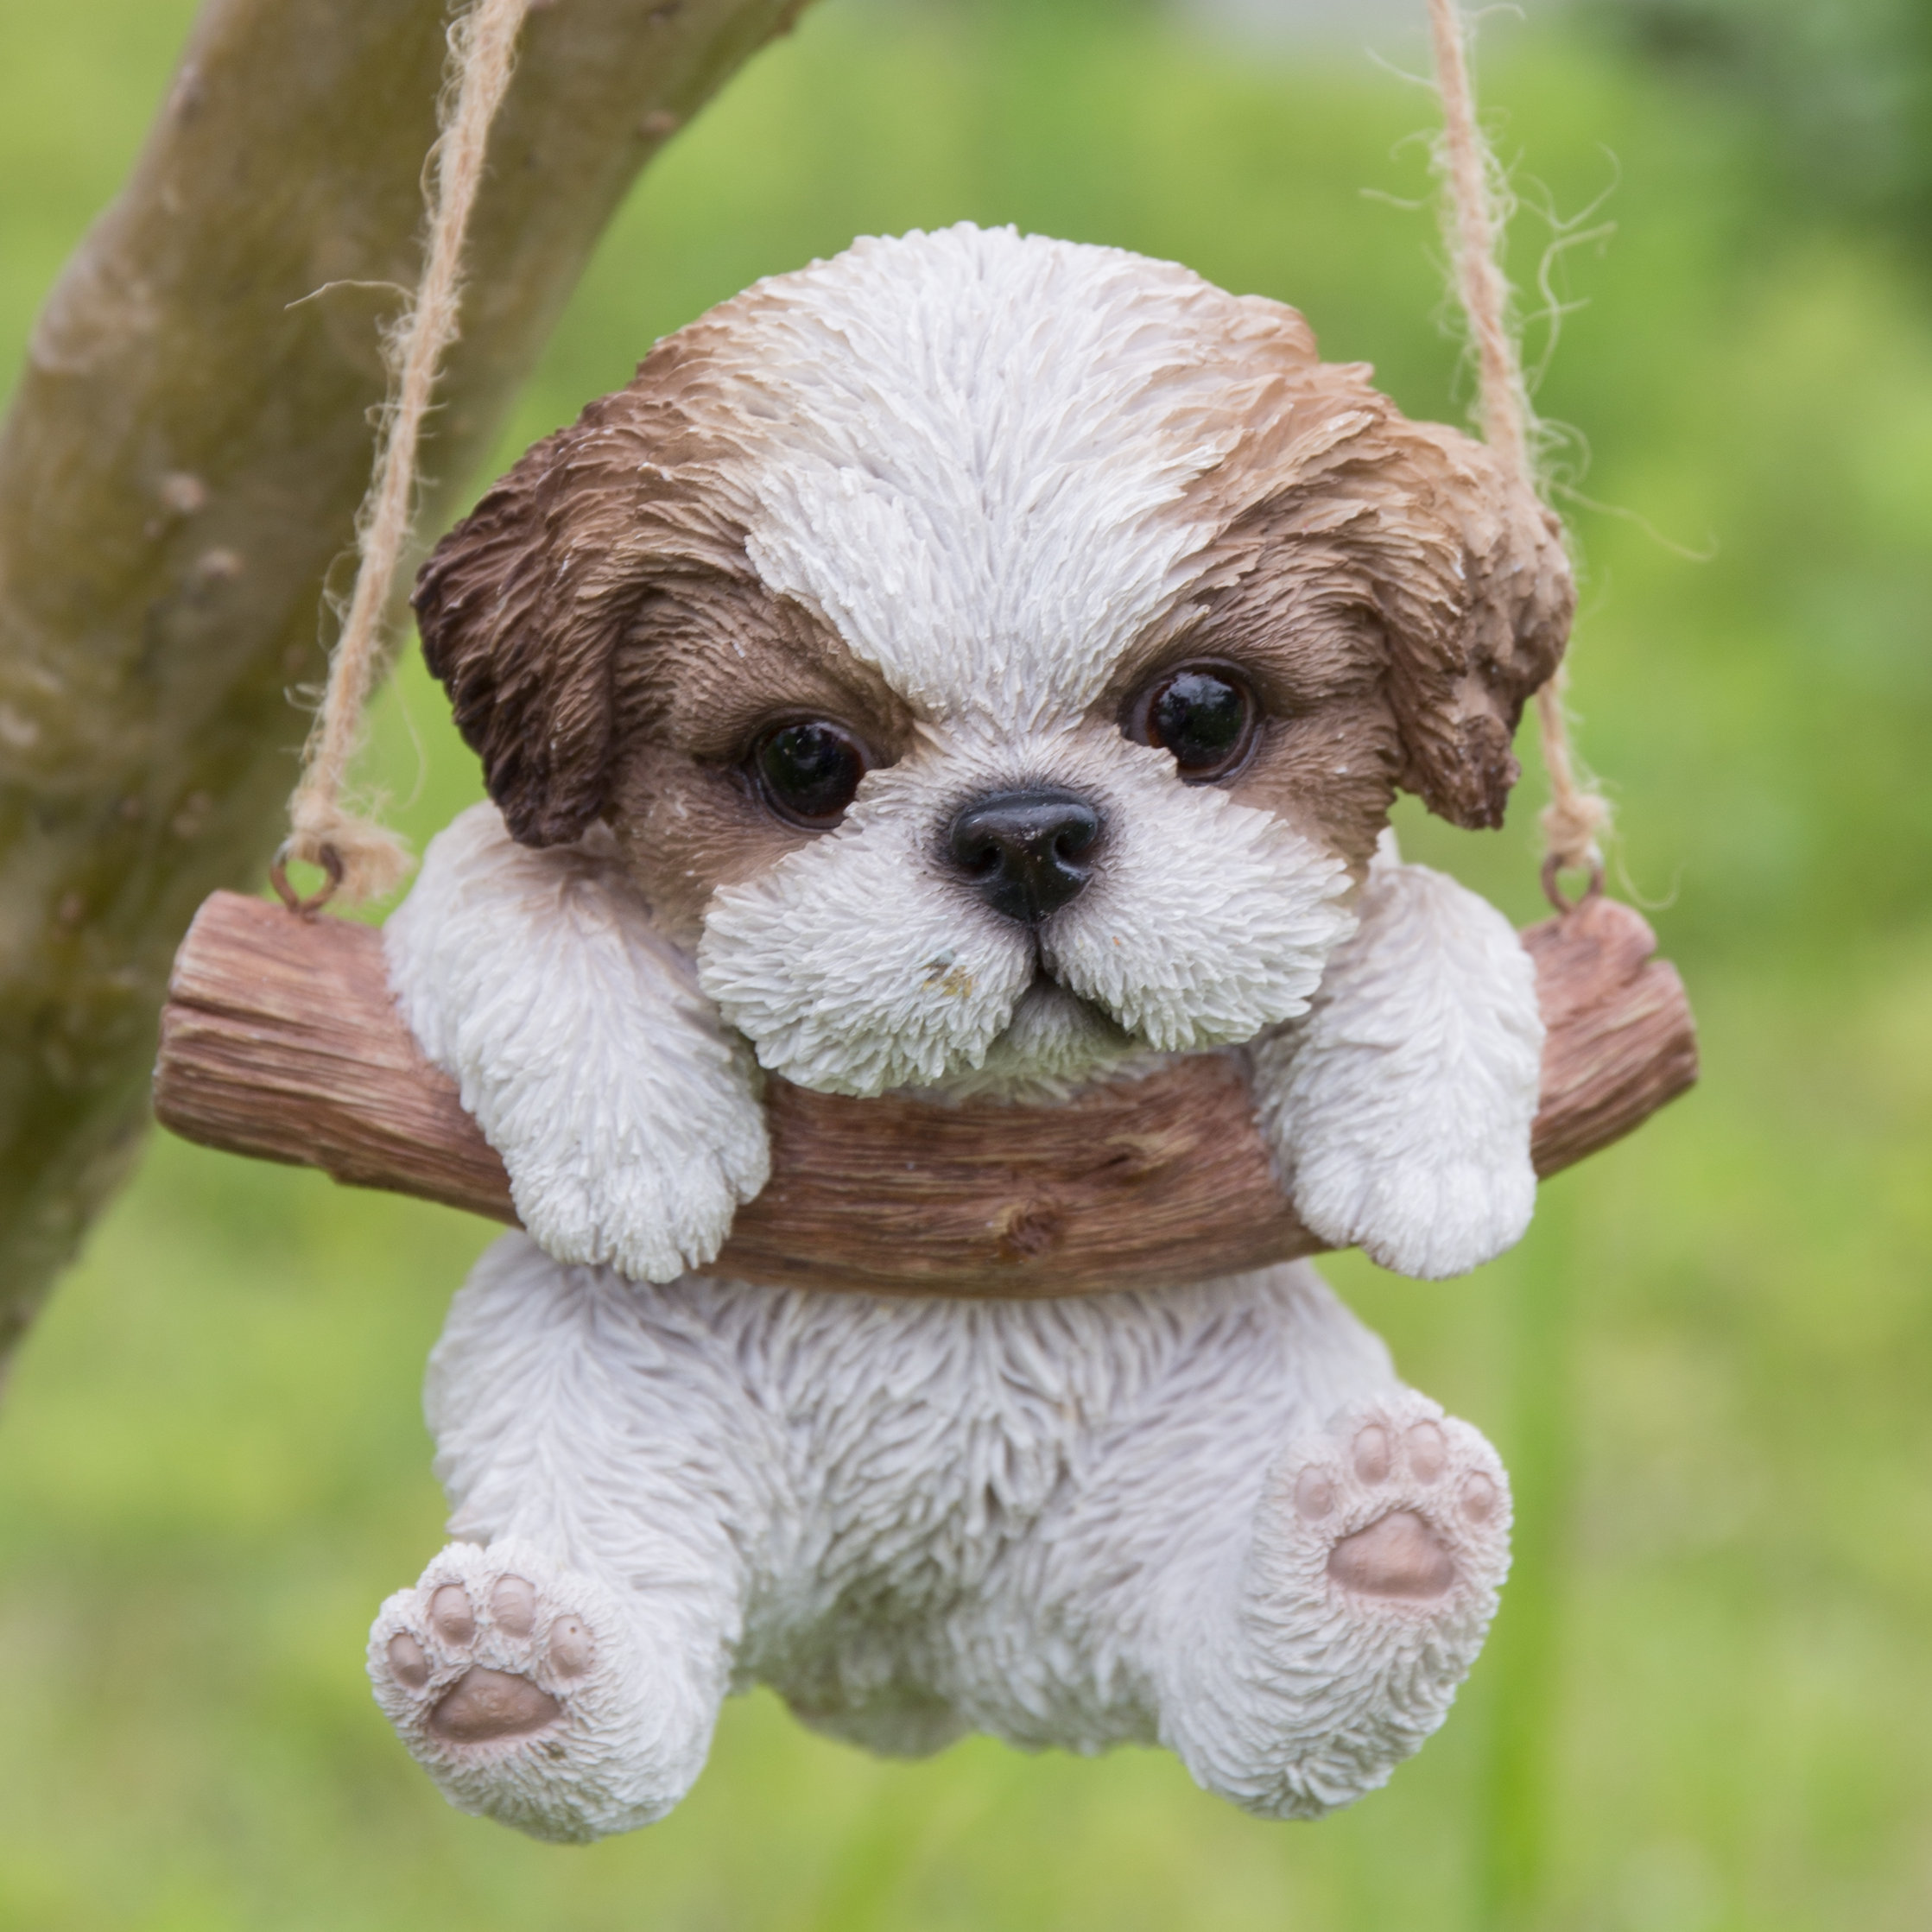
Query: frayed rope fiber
{"x":1576,"y":817}
{"x":369,"y":860}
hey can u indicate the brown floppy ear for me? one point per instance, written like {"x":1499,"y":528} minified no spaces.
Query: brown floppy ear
{"x":527,"y":605}
{"x":1476,"y":597}
{"x":527,"y":672}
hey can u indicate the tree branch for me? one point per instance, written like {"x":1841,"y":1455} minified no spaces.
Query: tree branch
{"x":281,"y":1040}
{"x":181,"y":468}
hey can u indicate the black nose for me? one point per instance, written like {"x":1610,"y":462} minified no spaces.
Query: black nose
{"x":1024,"y":850}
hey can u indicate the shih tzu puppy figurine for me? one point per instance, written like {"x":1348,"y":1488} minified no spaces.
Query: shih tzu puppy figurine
{"x":977,"y":664}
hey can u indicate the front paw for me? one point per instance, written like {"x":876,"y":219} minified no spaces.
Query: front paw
{"x":627,"y":1116}
{"x":652,"y":1211}
{"x":1417,"y":1215}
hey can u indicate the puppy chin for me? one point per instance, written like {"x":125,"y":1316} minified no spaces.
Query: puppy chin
{"x":850,"y":968}
{"x":1055,"y":1043}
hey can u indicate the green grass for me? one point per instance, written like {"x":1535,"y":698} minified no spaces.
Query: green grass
{"x":1703,"y":1707}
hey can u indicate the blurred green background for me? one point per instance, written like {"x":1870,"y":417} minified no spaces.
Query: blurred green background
{"x":1707,"y":1702}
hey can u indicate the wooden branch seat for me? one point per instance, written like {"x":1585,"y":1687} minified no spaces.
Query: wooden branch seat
{"x":280,"y":1040}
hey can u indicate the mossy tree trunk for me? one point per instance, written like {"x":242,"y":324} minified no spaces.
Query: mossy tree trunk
{"x":180,"y":469}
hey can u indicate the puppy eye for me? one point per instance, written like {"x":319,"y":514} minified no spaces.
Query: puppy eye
{"x":808,"y":772}
{"x":1204,"y":715}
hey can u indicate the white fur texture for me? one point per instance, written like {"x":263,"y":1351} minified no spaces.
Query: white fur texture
{"x":852,"y":966}
{"x":628,"y":1120}
{"x":1400,"y":1108}
{"x":1073,"y":1523}
{"x":980,"y":443}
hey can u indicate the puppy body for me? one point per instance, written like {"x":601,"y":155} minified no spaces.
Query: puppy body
{"x":971,"y":510}
{"x":1073,"y":1523}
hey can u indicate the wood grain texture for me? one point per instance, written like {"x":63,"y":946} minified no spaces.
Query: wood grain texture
{"x":280,"y":1040}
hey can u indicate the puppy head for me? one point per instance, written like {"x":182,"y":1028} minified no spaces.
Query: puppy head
{"x":992,"y":652}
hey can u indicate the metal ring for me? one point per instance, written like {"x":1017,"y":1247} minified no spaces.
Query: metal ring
{"x":331,"y":862}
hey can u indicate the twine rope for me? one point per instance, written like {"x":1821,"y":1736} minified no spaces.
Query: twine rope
{"x":365,"y":859}
{"x":1576,"y":815}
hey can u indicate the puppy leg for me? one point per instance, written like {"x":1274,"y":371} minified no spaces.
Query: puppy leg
{"x":1279,"y":1560}
{"x":1400,"y":1108}
{"x":1338,"y":1634}
{"x":559,"y":1667}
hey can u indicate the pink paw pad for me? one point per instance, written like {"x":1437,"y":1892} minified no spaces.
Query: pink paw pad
{"x":1408,"y":1503}
{"x":483,"y":1658}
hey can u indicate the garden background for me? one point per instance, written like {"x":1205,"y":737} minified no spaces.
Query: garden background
{"x":1707,"y":1702}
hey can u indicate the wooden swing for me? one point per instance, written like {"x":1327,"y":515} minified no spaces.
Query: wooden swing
{"x":279,"y":1038}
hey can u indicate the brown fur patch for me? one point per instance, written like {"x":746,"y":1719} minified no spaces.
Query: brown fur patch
{"x":609,"y":651}
{"x":711,"y":661}
{"x":1393,"y":598}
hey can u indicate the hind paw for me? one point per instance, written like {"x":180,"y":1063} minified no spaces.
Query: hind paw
{"x":480,"y":1652}
{"x":1378,"y":1550}
{"x":517,"y":1686}
{"x":1399,"y":1510}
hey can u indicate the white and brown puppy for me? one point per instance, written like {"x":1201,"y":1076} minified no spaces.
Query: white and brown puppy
{"x":975,"y":662}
